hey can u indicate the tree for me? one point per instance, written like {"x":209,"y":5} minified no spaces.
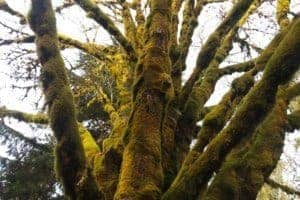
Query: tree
{"x":136,"y":86}
{"x":32,"y":166}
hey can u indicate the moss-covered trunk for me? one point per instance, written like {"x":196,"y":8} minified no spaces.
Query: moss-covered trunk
{"x":141,"y":174}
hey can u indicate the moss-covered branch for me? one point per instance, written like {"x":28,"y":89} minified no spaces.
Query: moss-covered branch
{"x":190,"y":15}
{"x":250,"y":163}
{"x":240,"y":67}
{"x":175,"y":8}
{"x":95,"y":50}
{"x":140,"y":21}
{"x":129,"y":25}
{"x":254,"y":108}
{"x":282,"y":10}
{"x":284,"y":188}
{"x":6,"y":8}
{"x":216,"y":119}
{"x":38,"y":118}
{"x":94,"y":12}
{"x":209,"y":49}
{"x":245,"y":169}
{"x":204,"y":88}
{"x":71,"y":166}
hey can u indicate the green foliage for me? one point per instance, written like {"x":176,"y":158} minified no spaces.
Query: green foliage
{"x":27,"y":165}
{"x":30,"y":177}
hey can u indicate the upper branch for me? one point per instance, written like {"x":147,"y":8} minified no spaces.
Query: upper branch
{"x":99,"y":16}
{"x":5,"y":7}
{"x":213,"y":42}
{"x":259,"y":101}
{"x":95,"y":50}
{"x":282,"y":10}
{"x":25,"y":117}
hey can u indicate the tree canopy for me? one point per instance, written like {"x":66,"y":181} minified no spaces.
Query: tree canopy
{"x":127,"y":94}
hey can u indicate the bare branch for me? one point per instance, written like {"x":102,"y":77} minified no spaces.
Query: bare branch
{"x":14,"y":133}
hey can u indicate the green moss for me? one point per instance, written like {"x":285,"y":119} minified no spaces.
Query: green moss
{"x":249,"y":165}
{"x":282,"y":10}
{"x":70,"y":163}
{"x":212,"y":44}
{"x":106,"y":170}
{"x":141,"y":171}
{"x":90,"y":146}
{"x":258,"y":102}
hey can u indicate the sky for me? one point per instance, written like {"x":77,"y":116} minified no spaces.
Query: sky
{"x":71,"y":24}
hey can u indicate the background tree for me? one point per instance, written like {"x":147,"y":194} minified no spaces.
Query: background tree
{"x":125,"y":121}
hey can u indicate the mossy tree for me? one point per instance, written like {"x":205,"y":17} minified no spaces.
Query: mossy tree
{"x":135,"y":84}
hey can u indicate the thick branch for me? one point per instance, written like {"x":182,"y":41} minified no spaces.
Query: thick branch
{"x":71,"y":165}
{"x":279,"y":69}
{"x":38,"y":118}
{"x":253,"y":159}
